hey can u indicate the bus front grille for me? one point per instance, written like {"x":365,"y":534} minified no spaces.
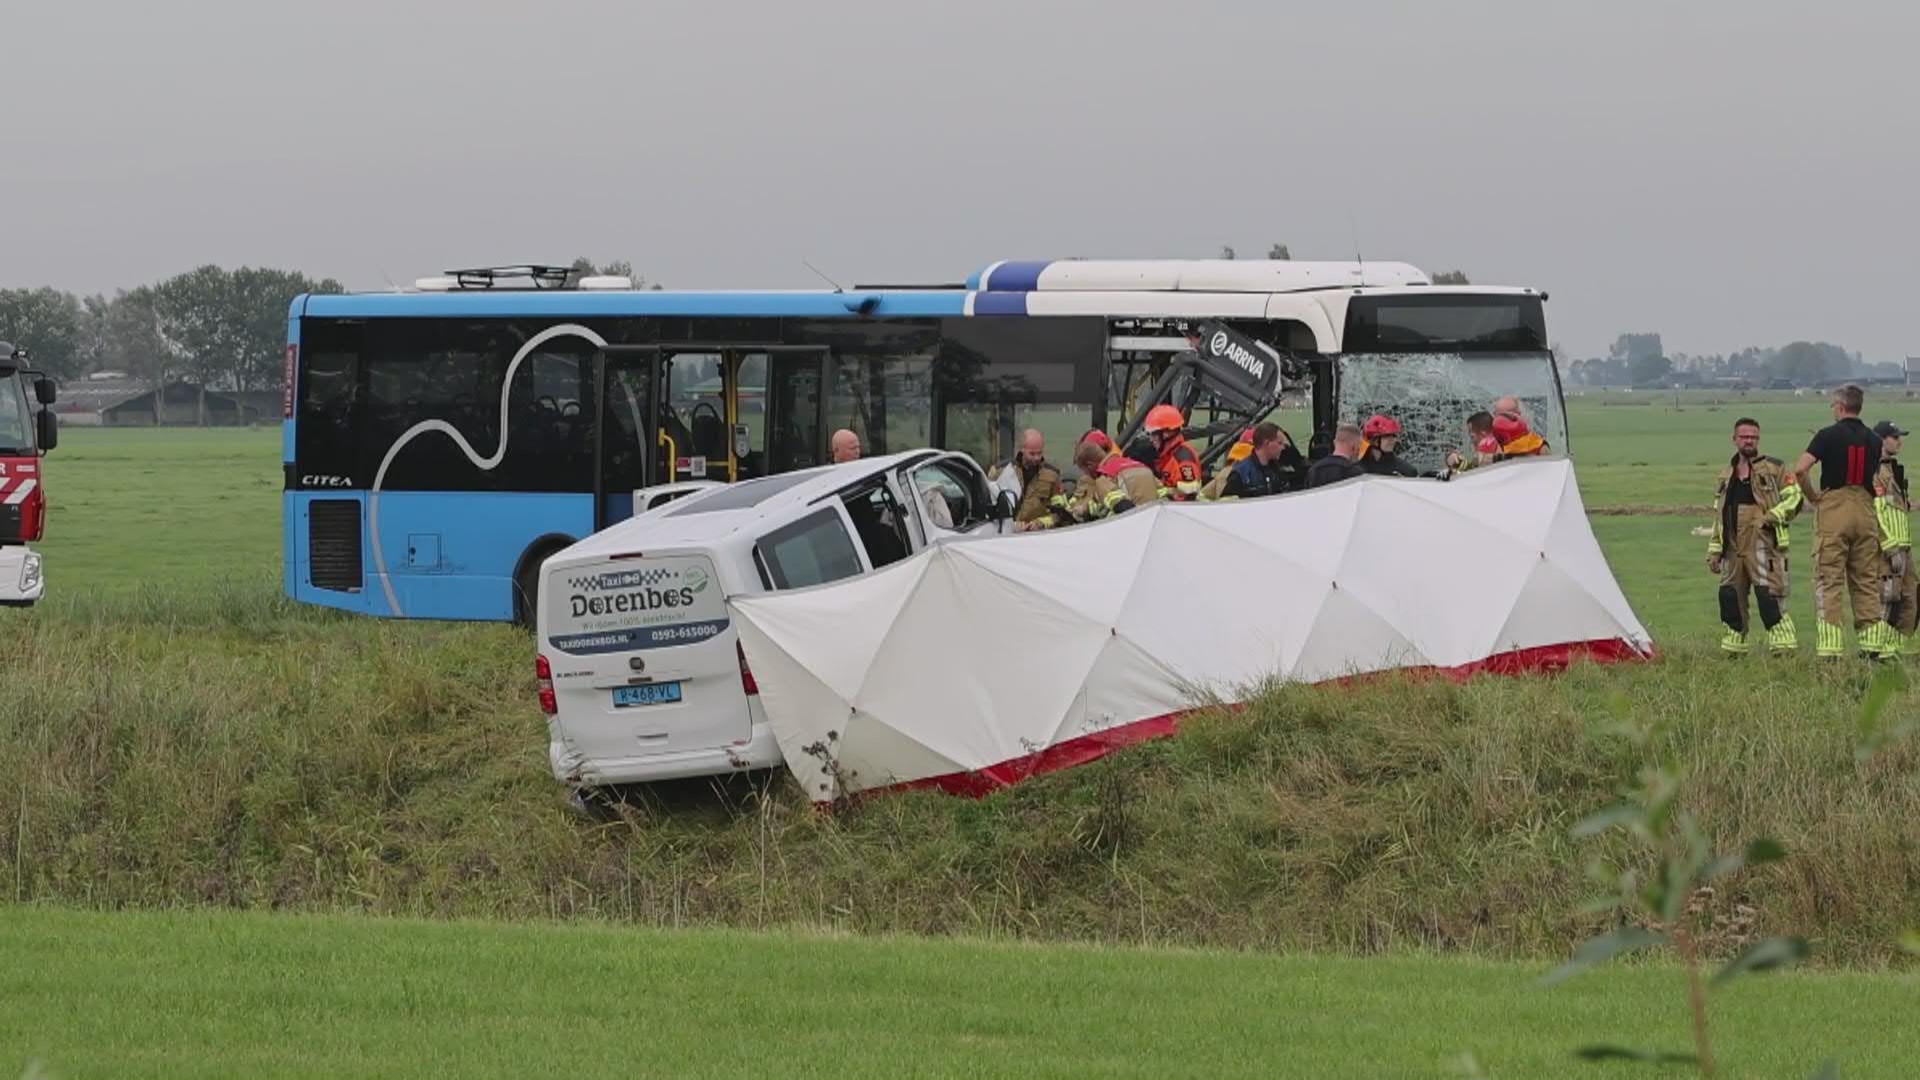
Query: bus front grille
{"x":333,"y":544}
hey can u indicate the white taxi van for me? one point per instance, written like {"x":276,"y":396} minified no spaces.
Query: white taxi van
{"x":641,"y":675}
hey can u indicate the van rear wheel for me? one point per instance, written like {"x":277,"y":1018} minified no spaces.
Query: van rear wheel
{"x":526,"y":581}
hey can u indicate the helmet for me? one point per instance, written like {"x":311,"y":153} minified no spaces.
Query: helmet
{"x":1508,"y":427}
{"x":1379,"y":425}
{"x":1165,"y":418}
{"x":1098,"y":438}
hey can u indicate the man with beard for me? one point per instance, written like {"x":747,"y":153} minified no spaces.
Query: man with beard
{"x":1756,"y":499}
{"x":1032,"y":479}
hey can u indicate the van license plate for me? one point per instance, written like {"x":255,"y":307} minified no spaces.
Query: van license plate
{"x":650,"y":694}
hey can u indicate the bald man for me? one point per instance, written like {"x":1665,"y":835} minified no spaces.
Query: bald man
{"x":1034,"y":482}
{"x":1509,"y":405}
{"x":844,"y":446}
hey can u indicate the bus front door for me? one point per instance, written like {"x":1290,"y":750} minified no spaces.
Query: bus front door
{"x":626,"y":430}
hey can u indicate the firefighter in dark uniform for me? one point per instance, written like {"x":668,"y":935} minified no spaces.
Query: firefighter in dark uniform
{"x":1900,"y":589}
{"x":1847,"y":560}
{"x":1756,"y":499}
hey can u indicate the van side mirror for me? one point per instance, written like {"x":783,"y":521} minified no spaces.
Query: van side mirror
{"x":45,"y":391}
{"x":49,"y":433}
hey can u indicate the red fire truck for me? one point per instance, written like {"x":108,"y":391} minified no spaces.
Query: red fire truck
{"x":26,"y":434}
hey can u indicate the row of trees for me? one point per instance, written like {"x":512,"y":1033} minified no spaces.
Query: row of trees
{"x":224,"y":329}
{"x":1641,"y":359}
{"x":221,"y":328}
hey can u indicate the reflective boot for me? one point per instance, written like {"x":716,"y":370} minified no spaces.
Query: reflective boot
{"x":1830,"y":641}
{"x":1733,"y":643}
{"x":1782,"y":639}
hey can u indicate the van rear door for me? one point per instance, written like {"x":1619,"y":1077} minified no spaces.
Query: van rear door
{"x":644,"y":656}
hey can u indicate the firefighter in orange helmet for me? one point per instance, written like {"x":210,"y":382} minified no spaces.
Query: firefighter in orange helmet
{"x":1177,"y":465}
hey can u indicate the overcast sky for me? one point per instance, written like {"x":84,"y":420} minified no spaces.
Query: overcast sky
{"x":1722,"y":174}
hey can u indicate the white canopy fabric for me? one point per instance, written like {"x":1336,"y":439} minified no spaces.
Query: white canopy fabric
{"x":978,"y":662}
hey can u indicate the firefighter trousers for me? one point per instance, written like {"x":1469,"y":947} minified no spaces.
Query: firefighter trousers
{"x":1900,"y":593}
{"x":1848,"y":566}
{"x":1753,"y":563}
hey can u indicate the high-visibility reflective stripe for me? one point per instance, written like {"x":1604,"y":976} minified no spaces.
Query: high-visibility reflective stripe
{"x":1831,"y":640}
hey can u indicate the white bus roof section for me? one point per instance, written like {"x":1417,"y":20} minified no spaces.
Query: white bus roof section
{"x":1192,"y":275}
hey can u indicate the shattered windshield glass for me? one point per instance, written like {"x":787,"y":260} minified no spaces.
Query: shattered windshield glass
{"x":15,"y":432}
{"x":1432,"y":394}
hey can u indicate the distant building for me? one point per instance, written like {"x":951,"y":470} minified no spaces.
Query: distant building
{"x":112,"y":400}
{"x":1913,"y":371}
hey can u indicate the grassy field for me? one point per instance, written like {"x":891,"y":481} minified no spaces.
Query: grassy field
{"x":191,"y":738}
{"x":185,"y":994}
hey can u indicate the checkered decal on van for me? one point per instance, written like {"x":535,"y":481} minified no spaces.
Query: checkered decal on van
{"x":622,"y":579}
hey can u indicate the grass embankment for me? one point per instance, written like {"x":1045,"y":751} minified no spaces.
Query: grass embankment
{"x":224,"y":747}
{"x":198,"y":994}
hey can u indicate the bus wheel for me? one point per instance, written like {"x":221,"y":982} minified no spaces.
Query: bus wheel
{"x":526,"y":580}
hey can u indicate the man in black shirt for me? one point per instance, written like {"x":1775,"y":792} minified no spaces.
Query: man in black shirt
{"x":1262,"y":472}
{"x":1847,"y":559}
{"x":1343,"y":463}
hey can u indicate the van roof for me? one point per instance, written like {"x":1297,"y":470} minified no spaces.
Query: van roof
{"x":715,"y":513}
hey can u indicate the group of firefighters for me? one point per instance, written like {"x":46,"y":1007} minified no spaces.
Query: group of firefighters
{"x":1162,"y":465}
{"x":1863,"y":542}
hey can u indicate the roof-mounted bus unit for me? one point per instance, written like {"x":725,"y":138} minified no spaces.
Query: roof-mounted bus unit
{"x":536,"y":275}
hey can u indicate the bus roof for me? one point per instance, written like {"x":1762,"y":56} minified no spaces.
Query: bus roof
{"x":610,"y":303}
{"x":1190,"y":275}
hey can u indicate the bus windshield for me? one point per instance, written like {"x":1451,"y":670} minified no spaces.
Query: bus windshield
{"x":16,"y":424}
{"x":1433,"y":393}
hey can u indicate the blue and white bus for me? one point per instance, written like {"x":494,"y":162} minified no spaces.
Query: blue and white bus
{"x":439,"y":443}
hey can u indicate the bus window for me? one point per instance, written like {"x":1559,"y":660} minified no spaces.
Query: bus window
{"x":696,"y":414}
{"x":328,"y":442}
{"x":1060,"y":425}
{"x":549,"y":435}
{"x":449,"y":371}
{"x":885,"y":399}
{"x":908,"y":385}
{"x":750,"y":412}
{"x":623,"y":454}
{"x":795,"y":409}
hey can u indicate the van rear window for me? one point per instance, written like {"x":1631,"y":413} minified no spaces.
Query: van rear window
{"x":812,"y":551}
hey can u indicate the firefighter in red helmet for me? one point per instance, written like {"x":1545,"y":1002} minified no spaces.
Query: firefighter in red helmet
{"x":1177,"y":465}
{"x":1379,"y":454}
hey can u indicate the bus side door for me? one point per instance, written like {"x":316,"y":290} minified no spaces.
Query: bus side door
{"x":626,"y":430}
